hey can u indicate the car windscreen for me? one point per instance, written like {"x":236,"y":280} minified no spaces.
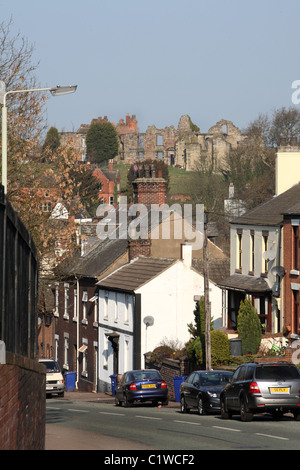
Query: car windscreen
{"x":51,"y":366}
{"x":277,"y":373}
{"x":212,"y":378}
{"x":146,"y":375}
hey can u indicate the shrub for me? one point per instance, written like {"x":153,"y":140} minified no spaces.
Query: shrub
{"x":220,"y":348}
{"x":249,"y":327}
{"x":194,"y":350}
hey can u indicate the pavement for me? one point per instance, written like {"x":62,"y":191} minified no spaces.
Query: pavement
{"x":67,"y":438}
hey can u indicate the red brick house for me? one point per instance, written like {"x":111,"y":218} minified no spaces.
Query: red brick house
{"x":110,"y":184}
{"x":291,"y":263}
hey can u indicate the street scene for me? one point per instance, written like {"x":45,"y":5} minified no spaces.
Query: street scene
{"x":149,"y":228}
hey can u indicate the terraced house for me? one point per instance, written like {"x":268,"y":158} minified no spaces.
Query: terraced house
{"x":264,"y":252}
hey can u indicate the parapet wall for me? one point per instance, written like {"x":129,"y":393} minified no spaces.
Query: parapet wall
{"x":22,"y":404}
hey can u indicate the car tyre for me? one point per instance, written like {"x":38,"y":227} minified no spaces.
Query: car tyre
{"x":225,"y":414}
{"x":183,"y":407}
{"x":127,"y":403}
{"x":201,"y":409}
{"x":296,"y":415}
{"x":246,"y":414}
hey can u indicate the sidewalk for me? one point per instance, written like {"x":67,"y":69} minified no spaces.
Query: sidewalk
{"x":65,"y":438}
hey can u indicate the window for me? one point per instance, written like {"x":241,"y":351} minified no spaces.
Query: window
{"x":75,"y":305}
{"x":295,"y":249}
{"x":126,"y":316}
{"x":252,"y":250}
{"x":239,"y":250}
{"x":46,"y":206}
{"x":56,"y":313}
{"x":160,"y":155}
{"x":84,"y":306}
{"x":105,"y":352}
{"x":159,"y":140}
{"x":66,"y":306}
{"x":265,"y":237}
{"x":105,"y":313}
{"x":116,"y":307}
{"x":66,"y":351}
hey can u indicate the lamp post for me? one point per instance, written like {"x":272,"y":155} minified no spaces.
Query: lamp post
{"x":55,"y":91}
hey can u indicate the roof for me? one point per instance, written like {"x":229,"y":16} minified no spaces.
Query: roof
{"x":135,"y":274}
{"x":244,"y":283}
{"x":96,"y":261}
{"x":218,"y":269}
{"x":271,"y":212}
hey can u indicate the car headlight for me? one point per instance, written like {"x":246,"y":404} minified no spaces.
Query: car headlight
{"x":212,"y":395}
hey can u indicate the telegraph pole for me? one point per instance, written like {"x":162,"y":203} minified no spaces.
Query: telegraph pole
{"x":206,"y":298}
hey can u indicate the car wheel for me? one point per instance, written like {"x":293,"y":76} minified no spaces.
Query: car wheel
{"x":296,"y":415}
{"x":183,"y":407}
{"x":165,"y":402}
{"x":246,"y":414}
{"x":225,"y":414}
{"x":118,"y":402}
{"x":201,"y":409}
{"x":127,"y":403}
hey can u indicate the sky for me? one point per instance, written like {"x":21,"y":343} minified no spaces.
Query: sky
{"x":161,"y":59}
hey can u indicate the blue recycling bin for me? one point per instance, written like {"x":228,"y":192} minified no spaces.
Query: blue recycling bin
{"x":70,"y":379}
{"x":113,"y":379}
{"x":177,"y":382}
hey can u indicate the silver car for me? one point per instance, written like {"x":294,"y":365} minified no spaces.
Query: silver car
{"x":262,"y":388}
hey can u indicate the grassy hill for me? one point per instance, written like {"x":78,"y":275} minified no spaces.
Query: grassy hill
{"x":179,"y":184}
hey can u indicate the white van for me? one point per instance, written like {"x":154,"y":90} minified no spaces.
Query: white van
{"x":54,"y":378}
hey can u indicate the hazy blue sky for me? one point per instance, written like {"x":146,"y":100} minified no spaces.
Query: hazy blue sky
{"x":160,"y":59}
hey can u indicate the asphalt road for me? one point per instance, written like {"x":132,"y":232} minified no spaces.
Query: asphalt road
{"x":71,"y":424}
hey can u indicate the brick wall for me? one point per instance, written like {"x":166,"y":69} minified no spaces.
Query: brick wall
{"x":139,"y":247}
{"x":149,"y":191}
{"x":22,"y":404}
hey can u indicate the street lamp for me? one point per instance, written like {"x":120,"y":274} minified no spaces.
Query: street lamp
{"x":55,"y":91}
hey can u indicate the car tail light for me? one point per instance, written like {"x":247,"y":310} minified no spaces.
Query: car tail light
{"x":254,"y":388}
{"x":132,"y":386}
{"x":163,"y":384}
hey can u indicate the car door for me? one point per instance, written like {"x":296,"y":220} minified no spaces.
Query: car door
{"x":187,"y":389}
{"x":194,"y":390}
{"x":233,"y":392}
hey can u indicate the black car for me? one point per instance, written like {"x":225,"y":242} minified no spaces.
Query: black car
{"x":142,"y":386}
{"x":262,"y":388}
{"x":202,"y":389}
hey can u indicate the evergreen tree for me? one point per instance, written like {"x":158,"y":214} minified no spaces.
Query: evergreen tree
{"x":249,"y":327}
{"x":102,"y":142}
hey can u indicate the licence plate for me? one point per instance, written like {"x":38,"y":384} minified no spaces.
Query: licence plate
{"x":148,"y":386}
{"x":279,"y":390}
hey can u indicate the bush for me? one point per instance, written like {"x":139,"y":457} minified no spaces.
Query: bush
{"x":194,"y":350}
{"x":220,"y":348}
{"x":249,"y":327}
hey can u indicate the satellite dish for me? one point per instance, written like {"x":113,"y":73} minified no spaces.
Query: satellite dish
{"x":269,"y":255}
{"x":148,"y":321}
{"x":278,"y":271}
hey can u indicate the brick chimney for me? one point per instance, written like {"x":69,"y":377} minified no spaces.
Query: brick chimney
{"x":111,"y":165}
{"x":139,"y":247}
{"x":149,"y":188}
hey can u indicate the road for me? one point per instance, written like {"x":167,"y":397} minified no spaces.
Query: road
{"x":165,"y":428}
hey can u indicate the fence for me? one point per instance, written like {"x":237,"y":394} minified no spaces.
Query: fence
{"x":18,"y":283}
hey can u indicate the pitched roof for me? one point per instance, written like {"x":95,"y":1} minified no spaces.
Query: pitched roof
{"x":244,"y":283}
{"x":96,"y":261}
{"x":218,"y":269}
{"x":133,"y":275}
{"x":271,"y":212}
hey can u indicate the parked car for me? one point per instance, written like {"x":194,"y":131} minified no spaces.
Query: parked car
{"x":54,"y":378}
{"x":202,"y":389}
{"x":260,"y":388}
{"x":141,"y":386}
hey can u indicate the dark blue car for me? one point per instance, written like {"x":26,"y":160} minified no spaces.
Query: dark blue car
{"x":201,"y":390}
{"x":141,"y":386}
